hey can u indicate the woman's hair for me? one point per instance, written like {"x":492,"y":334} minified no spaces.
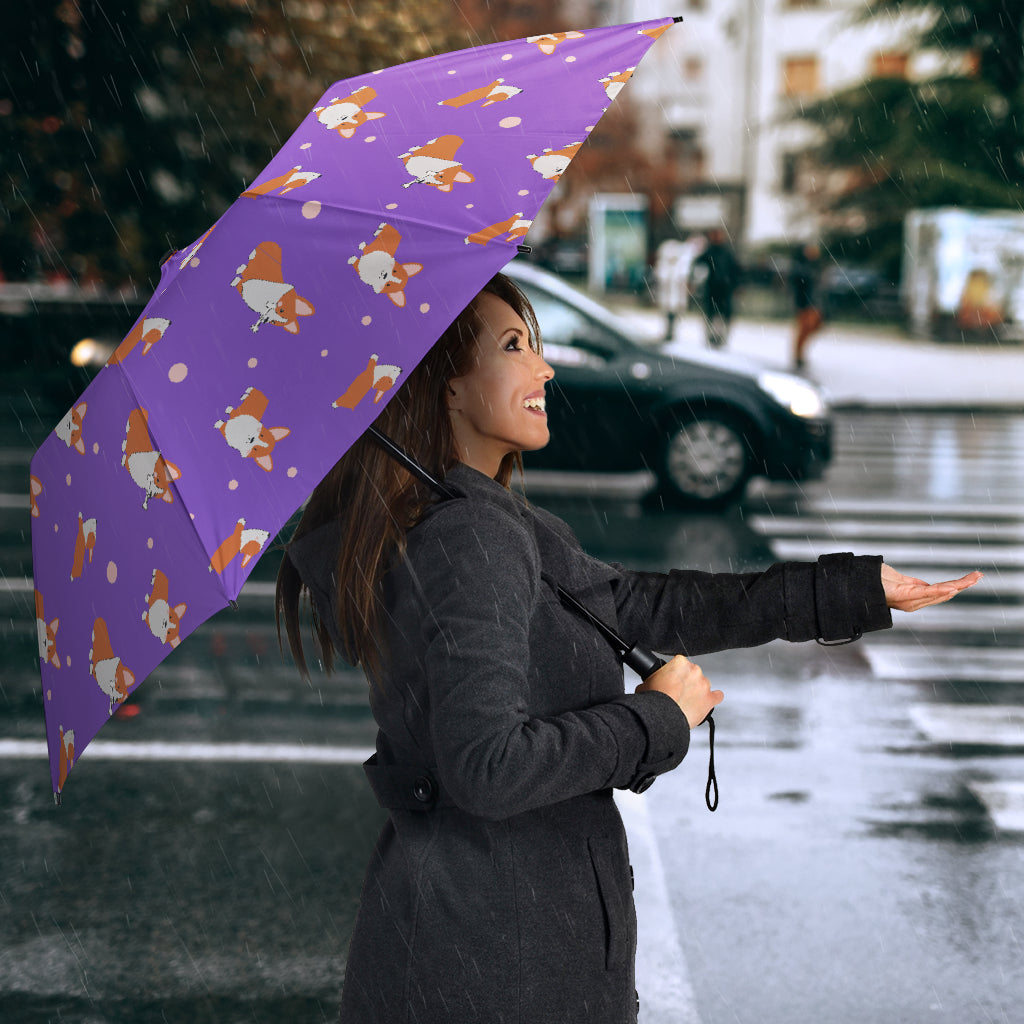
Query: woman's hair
{"x":374,"y":500}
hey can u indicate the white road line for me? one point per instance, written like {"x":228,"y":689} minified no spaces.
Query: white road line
{"x":970,"y":556}
{"x":901,"y":662}
{"x":260,"y":753}
{"x":1004,"y":802}
{"x":662,"y":976}
{"x":979,"y":531}
{"x":988,"y":725}
{"x":888,"y":508}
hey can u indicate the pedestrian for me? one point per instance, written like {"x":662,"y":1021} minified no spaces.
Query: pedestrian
{"x":803,"y":279}
{"x":671,"y":276}
{"x":499,"y":888}
{"x":717,"y":276}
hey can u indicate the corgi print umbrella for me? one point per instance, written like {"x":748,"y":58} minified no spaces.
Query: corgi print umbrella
{"x":271,"y":343}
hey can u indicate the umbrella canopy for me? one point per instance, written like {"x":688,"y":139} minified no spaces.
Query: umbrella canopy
{"x":272,"y":342}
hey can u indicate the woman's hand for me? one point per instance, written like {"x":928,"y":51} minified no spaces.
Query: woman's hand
{"x":687,"y":685}
{"x":908,"y":594}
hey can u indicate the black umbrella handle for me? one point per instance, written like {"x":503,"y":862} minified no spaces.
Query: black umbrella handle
{"x":645,"y":663}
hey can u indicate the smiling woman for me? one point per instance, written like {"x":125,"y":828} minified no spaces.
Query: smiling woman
{"x":500,"y":885}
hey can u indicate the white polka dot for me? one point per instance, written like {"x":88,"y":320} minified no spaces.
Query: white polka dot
{"x":311,"y":209}
{"x":453,"y":72}
{"x":292,"y":472}
{"x":506,"y":56}
{"x":524,"y":192}
{"x":149,"y":543}
{"x":370,"y":138}
{"x":306,"y":145}
{"x":253,"y":363}
{"x":570,"y":60}
{"x":95,"y":448}
{"x":391,"y":206}
{"x":510,"y":122}
{"x":232,"y":485}
{"x":177,"y":373}
{"x":366,"y":321}
{"x":323,"y":353}
{"x":67,"y":479}
{"x":111,"y":572}
{"x":425,"y":307}
{"x":194,"y":262}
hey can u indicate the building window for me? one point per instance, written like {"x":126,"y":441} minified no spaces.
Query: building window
{"x":693,"y":69}
{"x":800,"y":76}
{"x":889,"y":64}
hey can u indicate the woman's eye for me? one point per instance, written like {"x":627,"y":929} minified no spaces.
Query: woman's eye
{"x":512,"y":345}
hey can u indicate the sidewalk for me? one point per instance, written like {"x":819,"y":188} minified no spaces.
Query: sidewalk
{"x":859,"y":365}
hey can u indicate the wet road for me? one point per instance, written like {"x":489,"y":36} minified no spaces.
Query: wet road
{"x":865,"y":863}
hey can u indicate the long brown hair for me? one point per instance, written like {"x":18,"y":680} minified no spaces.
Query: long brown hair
{"x":366,"y":482}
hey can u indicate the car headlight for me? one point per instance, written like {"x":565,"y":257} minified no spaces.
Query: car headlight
{"x":795,"y":394}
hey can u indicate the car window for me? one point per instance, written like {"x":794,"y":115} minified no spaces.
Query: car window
{"x":564,"y":327}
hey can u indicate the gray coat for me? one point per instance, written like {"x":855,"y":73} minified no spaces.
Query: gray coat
{"x":500,"y":888}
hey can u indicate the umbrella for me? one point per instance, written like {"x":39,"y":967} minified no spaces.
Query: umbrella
{"x":272,"y":342}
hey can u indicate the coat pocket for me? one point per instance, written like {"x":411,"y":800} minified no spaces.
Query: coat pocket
{"x":610,"y":871}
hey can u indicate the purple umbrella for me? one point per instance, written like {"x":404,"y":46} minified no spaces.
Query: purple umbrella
{"x":272,"y":342}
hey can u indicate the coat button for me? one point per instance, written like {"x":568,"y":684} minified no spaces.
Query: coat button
{"x":643,"y":783}
{"x":424,"y":789}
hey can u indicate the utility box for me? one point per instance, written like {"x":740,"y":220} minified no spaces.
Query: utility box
{"x":618,"y":243}
{"x":963,"y":274}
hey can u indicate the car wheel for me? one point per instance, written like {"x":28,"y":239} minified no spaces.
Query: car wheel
{"x":705,"y":461}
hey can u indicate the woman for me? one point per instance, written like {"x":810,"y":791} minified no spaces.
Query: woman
{"x":804,"y":283}
{"x":499,"y":889}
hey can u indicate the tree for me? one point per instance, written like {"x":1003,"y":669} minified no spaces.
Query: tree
{"x":953,"y":138}
{"x":129,"y":126}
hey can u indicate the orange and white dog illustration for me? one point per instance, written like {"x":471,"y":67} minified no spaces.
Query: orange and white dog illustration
{"x":344,"y":114}
{"x":513,"y":228}
{"x":245,"y":542}
{"x":35,"y":488}
{"x":549,"y":43}
{"x":434,"y":164}
{"x":47,"y":633}
{"x":149,"y":331}
{"x":163,"y":618}
{"x":147,"y":467}
{"x":67,"y":756}
{"x":261,"y":284}
{"x":655,"y":33}
{"x":377,"y":264}
{"x":614,"y":82}
{"x":244,"y":430}
{"x":85,"y":542}
{"x":494,"y":92}
{"x":379,"y":377}
{"x":69,"y":430}
{"x":551,"y":164}
{"x":114,"y":679}
{"x":287,"y":182}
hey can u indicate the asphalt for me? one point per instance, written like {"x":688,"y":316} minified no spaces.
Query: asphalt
{"x":864,"y":365}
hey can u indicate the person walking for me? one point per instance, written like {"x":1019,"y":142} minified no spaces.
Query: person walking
{"x":499,"y":889}
{"x":804,"y":274}
{"x":717,"y":273}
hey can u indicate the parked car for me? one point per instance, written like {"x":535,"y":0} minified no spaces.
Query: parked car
{"x":703,"y":424}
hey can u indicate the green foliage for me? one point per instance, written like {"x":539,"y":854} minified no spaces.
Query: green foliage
{"x":954,"y":139}
{"x":129,"y":126}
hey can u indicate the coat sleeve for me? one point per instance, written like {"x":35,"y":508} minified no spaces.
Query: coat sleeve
{"x":477,"y":574}
{"x":838,"y":598}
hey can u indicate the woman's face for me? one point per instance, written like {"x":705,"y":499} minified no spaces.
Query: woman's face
{"x":498,"y":406}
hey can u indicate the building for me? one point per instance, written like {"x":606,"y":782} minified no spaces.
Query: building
{"x":722,"y":88}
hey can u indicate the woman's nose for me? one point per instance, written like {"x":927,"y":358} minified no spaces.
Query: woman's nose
{"x":544,"y":370}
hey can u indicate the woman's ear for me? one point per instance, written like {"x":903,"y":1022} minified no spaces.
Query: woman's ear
{"x":454,"y":389}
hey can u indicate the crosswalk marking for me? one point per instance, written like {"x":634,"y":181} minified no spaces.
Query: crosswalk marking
{"x":901,"y":662}
{"x":1004,"y":802}
{"x":971,"y":725}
